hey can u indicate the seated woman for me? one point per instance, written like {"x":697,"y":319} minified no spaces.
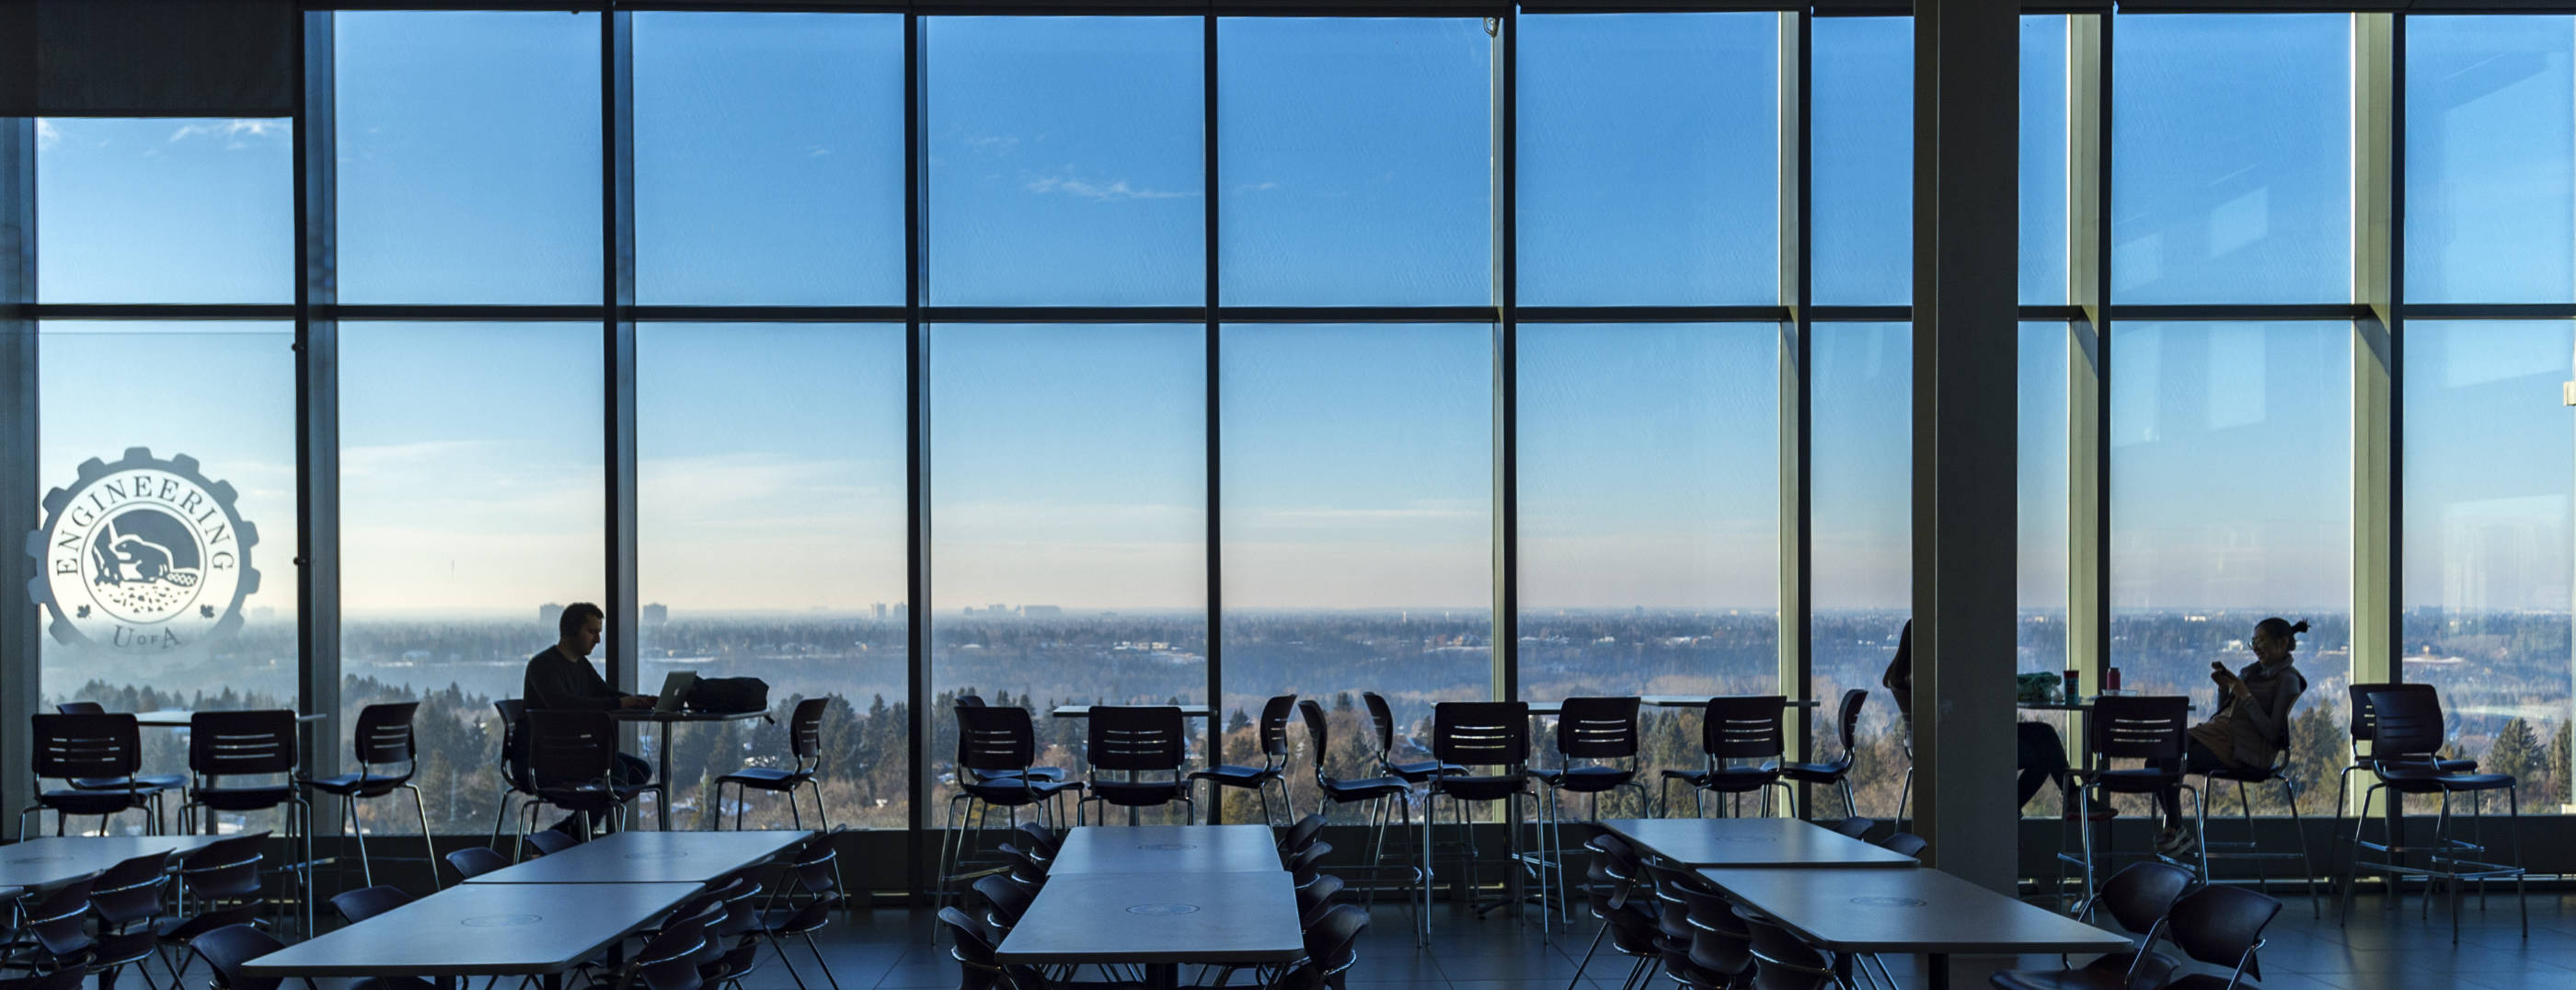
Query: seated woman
{"x":2039,"y":755}
{"x":2254,"y":707}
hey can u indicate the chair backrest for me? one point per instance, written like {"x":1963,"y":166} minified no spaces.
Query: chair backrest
{"x":1042,"y":841}
{"x":1854,"y":826}
{"x":60,"y":922}
{"x":970,"y":701}
{"x":2222,"y":925}
{"x":2404,"y":723}
{"x":1381,"y":718}
{"x":81,"y":708}
{"x":1319,"y":737}
{"x":668,"y":961}
{"x":1136,"y":738}
{"x":816,"y":866}
{"x":805,"y":731}
{"x":226,"y":949}
{"x":1597,"y":728}
{"x":225,"y":744}
{"x":2357,"y":706}
{"x":991,"y":738}
{"x":1330,"y":941}
{"x":1742,"y":727}
{"x":1308,"y":863}
{"x":1274,"y":728}
{"x":1301,"y":833}
{"x":1905,"y":844}
{"x":971,"y":941}
{"x":367,"y":902}
{"x":571,"y":747}
{"x":2141,"y":727}
{"x":86,"y":746}
{"x":1719,"y":939}
{"x":131,"y":890}
{"x":474,"y":861}
{"x":514,"y":741}
{"x":551,"y":841}
{"x":1004,"y":901}
{"x":1782,"y":961}
{"x":1313,"y":898}
{"x":2141,"y":894}
{"x":225,"y":869}
{"x":1847,"y":722}
{"x":1480,"y":733}
{"x":384,"y":735}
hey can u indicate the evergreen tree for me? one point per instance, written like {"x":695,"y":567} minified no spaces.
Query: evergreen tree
{"x":2515,"y":753}
{"x":2557,"y":765}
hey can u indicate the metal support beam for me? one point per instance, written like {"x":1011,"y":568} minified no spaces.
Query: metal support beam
{"x":22,"y":621}
{"x":1505,"y":654}
{"x":617,"y":350}
{"x":2088,"y":381}
{"x":1966,"y":351}
{"x":2378,"y":190}
{"x":317,"y":408}
{"x":1797,"y":518}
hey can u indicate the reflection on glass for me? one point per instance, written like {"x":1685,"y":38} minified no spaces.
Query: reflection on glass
{"x":2231,"y":500}
{"x":469,"y":157}
{"x":770,"y":544}
{"x":2491,"y":159}
{"x":470,"y":514}
{"x":1862,"y":172}
{"x":1862,"y":557}
{"x":1065,"y":160}
{"x":1649,"y":159}
{"x":161,"y":210}
{"x":1356,"y":161}
{"x":175,"y":601}
{"x":2043,"y":159}
{"x":2488,"y":454}
{"x":2231,"y":178}
{"x":1358,"y":517}
{"x":769,"y":158}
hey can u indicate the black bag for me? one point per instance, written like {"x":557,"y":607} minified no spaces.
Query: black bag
{"x":730,"y":694}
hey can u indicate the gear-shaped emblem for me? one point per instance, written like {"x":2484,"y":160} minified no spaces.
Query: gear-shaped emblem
{"x":143,"y":556}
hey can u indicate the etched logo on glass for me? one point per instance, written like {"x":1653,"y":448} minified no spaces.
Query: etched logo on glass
{"x":143,"y":556}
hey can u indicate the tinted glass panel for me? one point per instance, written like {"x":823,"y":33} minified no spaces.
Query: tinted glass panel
{"x":1863,"y":161}
{"x":165,"y":211}
{"x":1863,"y":553}
{"x":2491,"y":159}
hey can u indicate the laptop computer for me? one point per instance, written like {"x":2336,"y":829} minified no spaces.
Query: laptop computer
{"x":675,"y":691}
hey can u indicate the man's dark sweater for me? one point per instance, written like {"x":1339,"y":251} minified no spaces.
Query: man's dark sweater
{"x":557,"y":682}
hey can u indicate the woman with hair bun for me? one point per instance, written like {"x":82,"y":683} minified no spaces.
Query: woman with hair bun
{"x":2253,"y":718}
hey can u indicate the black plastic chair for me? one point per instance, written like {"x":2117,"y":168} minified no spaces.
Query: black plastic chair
{"x":1041,"y":773}
{"x":805,"y":746}
{"x":2138,"y":897}
{"x":1629,"y":923}
{"x":1733,"y":729}
{"x":249,"y":744}
{"x":367,"y":902}
{"x":221,"y":880}
{"x":1905,"y":844}
{"x":572,"y":762}
{"x":2358,"y":727}
{"x":1720,"y":943}
{"x":668,"y":960}
{"x":228,"y":948}
{"x":57,"y":926}
{"x":382,"y":740}
{"x":169,"y":783}
{"x":1316,"y":898}
{"x":1672,"y":890}
{"x":1468,"y":735}
{"x":2406,"y":733}
{"x":2152,"y":728}
{"x":1137,"y":740}
{"x":1272,"y":732}
{"x":2221,"y":926}
{"x":1383,"y":797}
{"x":816,"y":865}
{"x":996,"y":750}
{"x":1598,"y":740}
{"x":128,"y":900}
{"x":1382,"y":718}
{"x":1332,"y":946}
{"x":1853,"y":827}
{"x":511,"y":764}
{"x":2247,"y":847}
{"x":1000,"y":902}
{"x":972,"y":944}
{"x":474,"y":861}
{"x":1835,"y":772}
{"x":98,"y":749}
{"x":1782,"y":961}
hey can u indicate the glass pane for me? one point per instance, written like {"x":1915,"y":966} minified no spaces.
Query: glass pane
{"x":1862,"y":161}
{"x":1356,"y":158}
{"x":2231,"y":501}
{"x":169,"y":540}
{"x":733,"y":475}
{"x":1650,"y":159}
{"x":165,"y":210}
{"x":2040,"y":571}
{"x":1862,"y":505}
{"x":471,"y":499}
{"x":2231,"y":178}
{"x":1069,"y":546}
{"x":769,"y":159}
{"x":1358,"y":519}
{"x":1066,"y":163}
{"x":2488,"y":450}
{"x":2491,"y":159}
{"x":469,"y":149}
{"x":2043,"y":159}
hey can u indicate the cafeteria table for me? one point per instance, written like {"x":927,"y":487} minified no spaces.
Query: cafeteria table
{"x":1921,"y":911}
{"x":663,"y":721}
{"x":1159,"y":921}
{"x":1784,"y":843}
{"x":56,"y":859}
{"x":498,"y":929}
{"x":1664,"y":701}
{"x":1166,"y":849}
{"x":650,"y":857}
{"x":1084,"y":711}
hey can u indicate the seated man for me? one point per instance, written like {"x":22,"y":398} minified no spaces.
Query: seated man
{"x":560,"y":677}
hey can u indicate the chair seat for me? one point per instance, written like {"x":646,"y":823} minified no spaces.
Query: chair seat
{"x":1234,"y":776}
{"x":1033,"y":773}
{"x":1726,"y":781}
{"x":73,"y":802}
{"x":1014,"y":791}
{"x":767,"y":778}
{"x":258,"y":798}
{"x":1366,"y":789}
{"x":1418,"y":773}
{"x":169,"y":781}
{"x":2244,"y":775}
{"x":1492,"y":788}
{"x":2145,"y":780}
{"x":1815,"y":773}
{"x":1585,"y":780}
{"x":2431,"y":782}
{"x":1138,"y":794}
{"x":364,"y":785}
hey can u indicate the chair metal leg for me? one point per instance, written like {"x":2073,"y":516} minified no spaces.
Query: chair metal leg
{"x":428,"y":842}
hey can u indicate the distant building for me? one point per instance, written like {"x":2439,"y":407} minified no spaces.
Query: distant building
{"x":549,"y":615}
{"x":1041,"y":611}
{"x":656,"y":614}
{"x":880,"y":609}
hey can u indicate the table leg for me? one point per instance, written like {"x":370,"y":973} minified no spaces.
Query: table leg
{"x":662,"y":753}
{"x":1936,"y":970}
{"x":1162,"y":976}
{"x":551,"y":981}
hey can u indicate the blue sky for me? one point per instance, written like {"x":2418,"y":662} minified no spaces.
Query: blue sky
{"x":1066,"y":167}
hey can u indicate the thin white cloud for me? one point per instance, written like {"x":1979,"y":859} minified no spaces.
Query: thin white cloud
{"x":1098,"y":192}
{"x":1256,"y":187}
{"x":47,"y":135}
{"x":237,"y":133}
{"x":990,"y":142}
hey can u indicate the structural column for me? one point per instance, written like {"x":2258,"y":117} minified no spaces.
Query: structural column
{"x":1966,"y":351}
{"x":317,"y":409}
{"x":21,"y":621}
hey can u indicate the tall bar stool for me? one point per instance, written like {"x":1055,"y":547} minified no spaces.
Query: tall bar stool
{"x":2358,"y":724}
{"x":1740,"y":740}
{"x":1137,"y":740}
{"x":2152,"y":728}
{"x":572,"y":761}
{"x":1384,"y":797}
{"x":250,"y":744}
{"x":1273,"y":731}
{"x":1465,"y":736}
{"x":2247,"y":848}
{"x":1837,"y":772}
{"x":1041,"y":773}
{"x":805,"y":746}
{"x":1601,"y":732}
{"x":2405,"y":733}
{"x":169,"y":783}
{"x":95,"y":748}
{"x":382,"y":741}
{"x":996,"y":750}
{"x":1382,"y":717}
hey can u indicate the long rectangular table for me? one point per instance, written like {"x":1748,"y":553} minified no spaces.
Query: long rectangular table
{"x":1783,"y":843}
{"x":57,"y":859}
{"x":650,"y":857}
{"x":1084,"y":711}
{"x":498,"y":929}
{"x":1663,"y":701}
{"x":1909,"y":911}
{"x":1166,"y":849}
{"x":662,"y":741}
{"x":1159,"y":920}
